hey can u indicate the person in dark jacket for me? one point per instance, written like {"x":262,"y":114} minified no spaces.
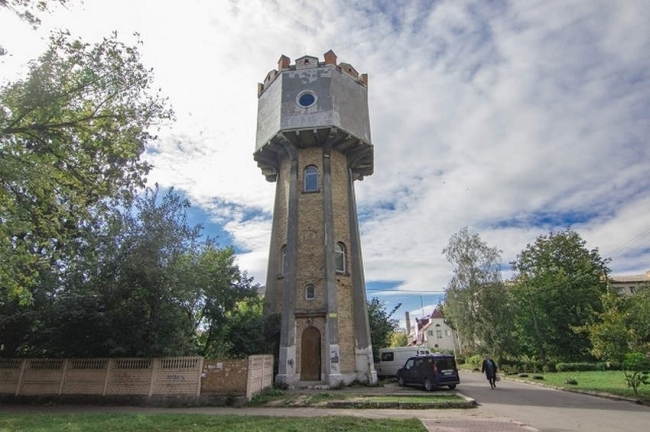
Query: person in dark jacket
{"x":490,"y":368}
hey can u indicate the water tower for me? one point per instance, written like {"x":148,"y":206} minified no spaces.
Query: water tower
{"x":313,"y":141}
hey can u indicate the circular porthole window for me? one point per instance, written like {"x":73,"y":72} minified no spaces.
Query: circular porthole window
{"x":306,"y":99}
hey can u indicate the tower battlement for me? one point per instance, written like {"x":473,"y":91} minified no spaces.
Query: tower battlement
{"x":310,"y":62}
{"x":313,"y":103}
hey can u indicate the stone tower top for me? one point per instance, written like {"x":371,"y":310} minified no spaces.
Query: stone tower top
{"x":313,"y":103}
{"x":309,"y":62}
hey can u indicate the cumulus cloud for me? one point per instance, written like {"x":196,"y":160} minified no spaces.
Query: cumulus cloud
{"x":486,"y":115}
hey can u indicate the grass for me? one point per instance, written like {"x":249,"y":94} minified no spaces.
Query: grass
{"x":412,"y":399}
{"x":197,"y":422}
{"x":603,"y":381}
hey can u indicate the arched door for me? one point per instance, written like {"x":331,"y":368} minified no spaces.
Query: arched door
{"x":310,"y":355}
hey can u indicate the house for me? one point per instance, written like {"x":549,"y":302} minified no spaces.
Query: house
{"x":628,"y":284}
{"x":434,"y":333}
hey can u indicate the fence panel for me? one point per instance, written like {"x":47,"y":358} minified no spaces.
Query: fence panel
{"x":177,"y":376}
{"x":85,"y":376}
{"x":42,"y":377}
{"x":10,"y":370}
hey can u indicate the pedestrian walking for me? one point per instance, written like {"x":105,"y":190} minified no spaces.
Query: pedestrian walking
{"x":490,"y":368}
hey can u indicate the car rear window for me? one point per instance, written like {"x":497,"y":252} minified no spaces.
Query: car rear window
{"x":446,"y":363}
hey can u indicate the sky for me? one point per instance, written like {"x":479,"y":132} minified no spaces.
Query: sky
{"x":509,"y":118}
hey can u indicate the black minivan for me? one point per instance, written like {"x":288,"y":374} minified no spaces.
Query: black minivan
{"x":430,"y":371}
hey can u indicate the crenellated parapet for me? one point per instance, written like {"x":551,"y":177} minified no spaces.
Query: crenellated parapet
{"x":310,"y":62}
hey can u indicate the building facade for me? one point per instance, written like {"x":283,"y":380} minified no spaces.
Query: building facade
{"x":628,"y":284}
{"x":313,"y":141}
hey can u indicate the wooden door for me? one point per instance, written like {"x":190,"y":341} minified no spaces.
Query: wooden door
{"x":310,"y":355}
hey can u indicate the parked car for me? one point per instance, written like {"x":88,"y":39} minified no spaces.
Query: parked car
{"x":430,"y":371}
{"x":391,"y":359}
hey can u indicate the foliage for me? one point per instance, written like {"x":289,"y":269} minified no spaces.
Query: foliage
{"x":557,"y":289}
{"x":622,"y":327}
{"x":71,"y":135}
{"x":143,"y":283}
{"x":636,"y":368}
{"x":476,"y":302}
{"x":580,"y":366}
{"x":29,"y":10}
{"x":382,"y":324}
{"x":398,"y":339}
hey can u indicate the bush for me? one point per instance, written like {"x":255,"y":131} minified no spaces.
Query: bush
{"x":475,"y":360}
{"x":571,"y":381}
{"x":579,"y":367}
{"x":538,"y":377}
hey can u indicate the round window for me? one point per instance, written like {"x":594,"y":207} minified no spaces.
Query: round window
{"x":306,"y":99}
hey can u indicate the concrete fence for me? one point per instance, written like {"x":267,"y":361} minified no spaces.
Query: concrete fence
{"x":172,"y":376}
{"x":105,"y":377}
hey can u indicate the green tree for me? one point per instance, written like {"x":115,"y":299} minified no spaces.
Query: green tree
{"x":558,"y":286}
{"x":476,"y":301}
{"x":398,"y":339}
{"x":71,"y":136}
{"x":29,"y":10}
{"x":382,"y":324}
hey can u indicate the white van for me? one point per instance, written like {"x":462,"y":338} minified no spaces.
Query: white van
{"x":391,"y":359}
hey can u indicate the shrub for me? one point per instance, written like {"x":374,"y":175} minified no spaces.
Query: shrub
{"x":571,"y":381}
{"x":522,"y":375}
{"x":636,"y":367}
{"x":538,"y":377}
{"x":578,"y":367}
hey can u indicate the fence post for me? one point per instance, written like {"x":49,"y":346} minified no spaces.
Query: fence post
{"x":198,"y":386}
{"x":65,"y":368}
{"x":154,"y":363}
{"x":20,"y":377}
{"x":108,"y":374}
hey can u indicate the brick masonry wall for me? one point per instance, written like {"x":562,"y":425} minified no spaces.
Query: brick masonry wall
{"x":224,"y":376}
{"x":340,"y":198}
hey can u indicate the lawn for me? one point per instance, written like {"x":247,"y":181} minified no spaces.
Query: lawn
{"x":605,"y":381}
{"x":197,"y":422}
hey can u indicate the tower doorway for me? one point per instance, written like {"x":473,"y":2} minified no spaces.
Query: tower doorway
{"x":310,"y":352}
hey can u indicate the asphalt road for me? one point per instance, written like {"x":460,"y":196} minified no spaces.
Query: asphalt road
{"x":550,"y":410}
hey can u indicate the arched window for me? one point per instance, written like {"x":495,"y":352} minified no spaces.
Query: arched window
{"x":339,"y":257}
{"x":310,"y":179}
{"x":283,"y":261}
{"x":310,"y":292}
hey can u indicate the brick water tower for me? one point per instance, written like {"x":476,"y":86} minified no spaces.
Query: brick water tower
{"x":313,"y":140}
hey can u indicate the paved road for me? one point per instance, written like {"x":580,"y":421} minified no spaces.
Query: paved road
{"x":551,"y":410}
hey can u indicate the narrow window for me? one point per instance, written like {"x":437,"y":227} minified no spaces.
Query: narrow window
{"x":310,"y":292}
{"x":339,"y":251}
{"x":310,"y":179}
{"x":283,"y":260}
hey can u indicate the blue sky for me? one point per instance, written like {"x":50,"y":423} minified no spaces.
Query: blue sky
{"x":510,"y":118}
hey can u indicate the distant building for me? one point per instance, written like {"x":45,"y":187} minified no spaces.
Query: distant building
{"x":432,"y":332}
{"x":628,"y":284}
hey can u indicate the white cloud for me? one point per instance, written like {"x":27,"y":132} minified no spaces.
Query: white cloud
{"x":483,"y":115}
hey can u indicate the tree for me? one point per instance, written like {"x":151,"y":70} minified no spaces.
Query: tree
{"x":29,"y":10}
{"x":557,"y":289}
{"x":71,"y":136}
{"x":382,"y":324}
{"x":476,"y":301}
{"x":398,"y":339}
{"x":143,"y":283}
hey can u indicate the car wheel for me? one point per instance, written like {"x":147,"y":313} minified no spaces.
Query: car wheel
{"x":452,"y":386}
{"x":400,"y":381}
{"x":428,"y":385}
